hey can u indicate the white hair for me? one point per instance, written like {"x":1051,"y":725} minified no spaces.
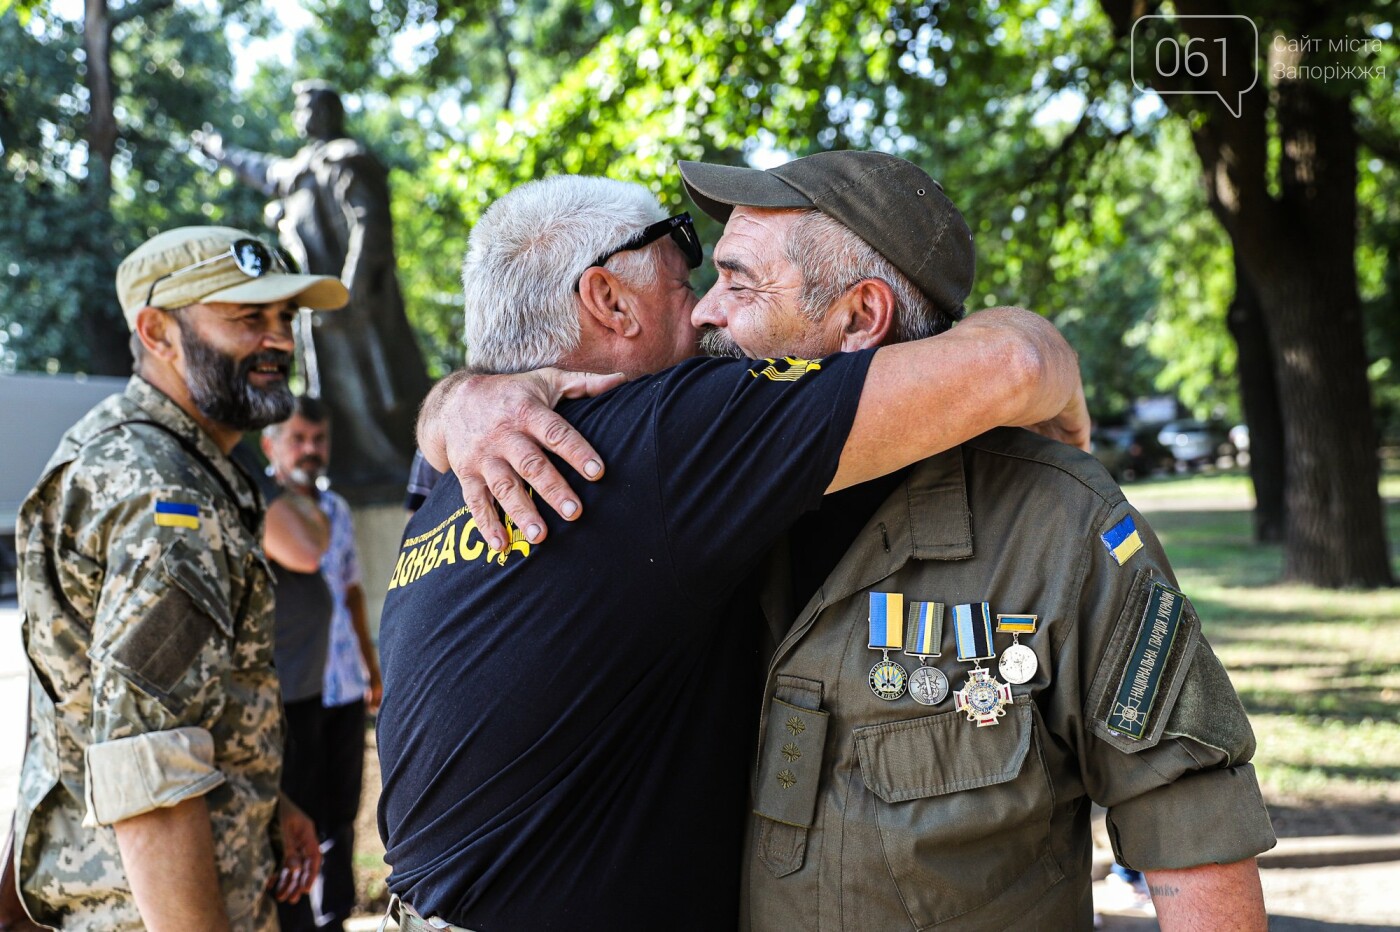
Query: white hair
{"x":831,"y":259}
{"x":527,"y":252}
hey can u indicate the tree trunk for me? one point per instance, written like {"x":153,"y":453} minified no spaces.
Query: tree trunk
{"x":1259,"y":398}
{"x":1335,"y":533}
{"x":1297,"y":248}
{"x":102,"y":120}
{"x":105,"y":330}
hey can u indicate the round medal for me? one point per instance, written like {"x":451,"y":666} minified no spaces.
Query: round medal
{"x":928,"y":685}
{"x":1017,"y":664}
{"x":887,"y":680}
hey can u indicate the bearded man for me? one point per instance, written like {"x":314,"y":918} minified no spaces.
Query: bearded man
{"x":149,"y":785}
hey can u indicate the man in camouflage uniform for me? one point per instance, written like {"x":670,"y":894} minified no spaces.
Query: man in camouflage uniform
{"x":150,"y":778}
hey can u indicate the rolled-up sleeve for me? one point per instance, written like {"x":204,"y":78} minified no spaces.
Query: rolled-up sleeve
{"x":1180,"y":824}
{"x":131,"y":776}
{"x":1166,"y":742}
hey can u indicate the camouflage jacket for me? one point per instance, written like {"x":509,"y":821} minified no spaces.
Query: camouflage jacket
{"x":148,"y":627}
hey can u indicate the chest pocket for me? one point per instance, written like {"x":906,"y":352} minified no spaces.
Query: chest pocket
{"x":963,"y":814}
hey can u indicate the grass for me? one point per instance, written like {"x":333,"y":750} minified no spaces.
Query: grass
{"x":1318,"y":670}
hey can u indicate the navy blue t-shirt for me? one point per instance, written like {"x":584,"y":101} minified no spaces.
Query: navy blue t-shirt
{"x":566,"y":728}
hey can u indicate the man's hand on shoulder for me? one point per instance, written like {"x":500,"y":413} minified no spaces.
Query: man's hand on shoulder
{"x":492,"y":432}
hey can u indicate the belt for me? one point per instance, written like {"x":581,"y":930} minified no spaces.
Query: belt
{"x":409,"y":920}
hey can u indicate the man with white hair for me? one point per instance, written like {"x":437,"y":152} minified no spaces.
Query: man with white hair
{"x":565,"y":728}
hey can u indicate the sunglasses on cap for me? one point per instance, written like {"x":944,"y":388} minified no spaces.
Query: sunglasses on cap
{"x":254,"y":258}
{"x":680,"y":228}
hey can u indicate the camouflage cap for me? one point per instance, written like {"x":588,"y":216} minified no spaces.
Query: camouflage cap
{"x":171,"y":262}
{"x":889,"y":202}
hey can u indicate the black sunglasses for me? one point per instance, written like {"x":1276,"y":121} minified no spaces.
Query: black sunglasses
{"x":680,"y":228}
{"x":254,"y":258}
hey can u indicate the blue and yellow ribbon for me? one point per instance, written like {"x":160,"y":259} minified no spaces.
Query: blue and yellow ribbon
{"x":1017,"y":624}
{"x":886,"y":620}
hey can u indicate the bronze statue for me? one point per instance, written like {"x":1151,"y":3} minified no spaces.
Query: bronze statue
{"x":332,"y":213}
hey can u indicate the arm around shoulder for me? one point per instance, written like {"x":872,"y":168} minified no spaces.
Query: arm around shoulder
{"x":1000,"y":367}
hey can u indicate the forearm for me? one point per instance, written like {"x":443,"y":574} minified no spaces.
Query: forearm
{"x":252,"y":168}
{"x":1226,"y":897}
{"x":430,"y":420}
{"x":168,"y":855}
{"x":296,"y":534}
{"x":1004,"y":366}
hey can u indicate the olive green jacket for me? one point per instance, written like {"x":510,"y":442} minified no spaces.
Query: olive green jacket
{"x":875,"y":814}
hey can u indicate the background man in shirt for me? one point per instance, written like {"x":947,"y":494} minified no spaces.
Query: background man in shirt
{"x":150,"y":776}
{"x":310,"y":527}
{"x":563,"y":741}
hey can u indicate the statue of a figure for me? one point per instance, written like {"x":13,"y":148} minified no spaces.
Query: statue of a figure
{"x":332,"y":213}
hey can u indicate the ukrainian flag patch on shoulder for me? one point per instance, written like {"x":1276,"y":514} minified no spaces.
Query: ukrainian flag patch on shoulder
{"x":1122,"y":540}
{"x":176,"y":514}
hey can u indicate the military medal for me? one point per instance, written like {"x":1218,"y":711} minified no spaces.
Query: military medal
{"x":927,"y":684}
{"x":1017,"y":663}
{"x":887,"y":678}
{"x":983,"y":698}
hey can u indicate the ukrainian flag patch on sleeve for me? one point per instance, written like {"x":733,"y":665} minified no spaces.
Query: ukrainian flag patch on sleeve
{"x":1122,"y":540}
{"x":177,"y":514}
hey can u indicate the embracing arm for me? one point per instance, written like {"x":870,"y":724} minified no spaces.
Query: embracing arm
{"x":1000,"y":367}
{"x":1227,"y":897}
{"x":493,"y":431}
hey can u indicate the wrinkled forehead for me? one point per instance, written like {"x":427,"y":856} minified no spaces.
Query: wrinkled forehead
{"x":755,"y":240}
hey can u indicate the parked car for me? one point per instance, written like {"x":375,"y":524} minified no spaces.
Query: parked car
{"x":1130,"y":453}
{"x":1197,"y":443}
{"x":1239,"y":436}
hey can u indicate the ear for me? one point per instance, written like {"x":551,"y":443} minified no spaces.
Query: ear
{"x":158,"y":332}
{"x":265,"y":441}
{"x":606,"y":303}
{"x":868,"y":309}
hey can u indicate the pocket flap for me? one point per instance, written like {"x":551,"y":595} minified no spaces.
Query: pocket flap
{"x":181,"y":563}
{"x":944,"y":753}
{"x":790,"y":764}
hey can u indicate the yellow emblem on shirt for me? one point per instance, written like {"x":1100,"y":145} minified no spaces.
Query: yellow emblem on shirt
{"x":793,"y":368}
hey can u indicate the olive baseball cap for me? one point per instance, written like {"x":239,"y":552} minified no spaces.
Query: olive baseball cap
{"x":196,"y":265}
{"x":889,"y":202}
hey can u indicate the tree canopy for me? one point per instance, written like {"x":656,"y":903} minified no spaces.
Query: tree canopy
{"x":1085,"y":192}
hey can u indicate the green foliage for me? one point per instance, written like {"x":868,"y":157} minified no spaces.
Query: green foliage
{"x":61,"y":234}
{"x":1083,"y":198}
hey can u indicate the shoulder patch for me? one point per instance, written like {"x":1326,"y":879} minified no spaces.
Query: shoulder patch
{"x":176,"y":514}
{"x":1122,"y":540}
{"x":788,"y":369}
{"x":1147,"y":660}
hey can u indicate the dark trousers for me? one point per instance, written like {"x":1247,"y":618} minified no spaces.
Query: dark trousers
{"x":322,"y":772}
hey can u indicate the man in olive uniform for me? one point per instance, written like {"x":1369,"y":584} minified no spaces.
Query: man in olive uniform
{"x":1002,"y":642}
{"x":149,"y":782}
